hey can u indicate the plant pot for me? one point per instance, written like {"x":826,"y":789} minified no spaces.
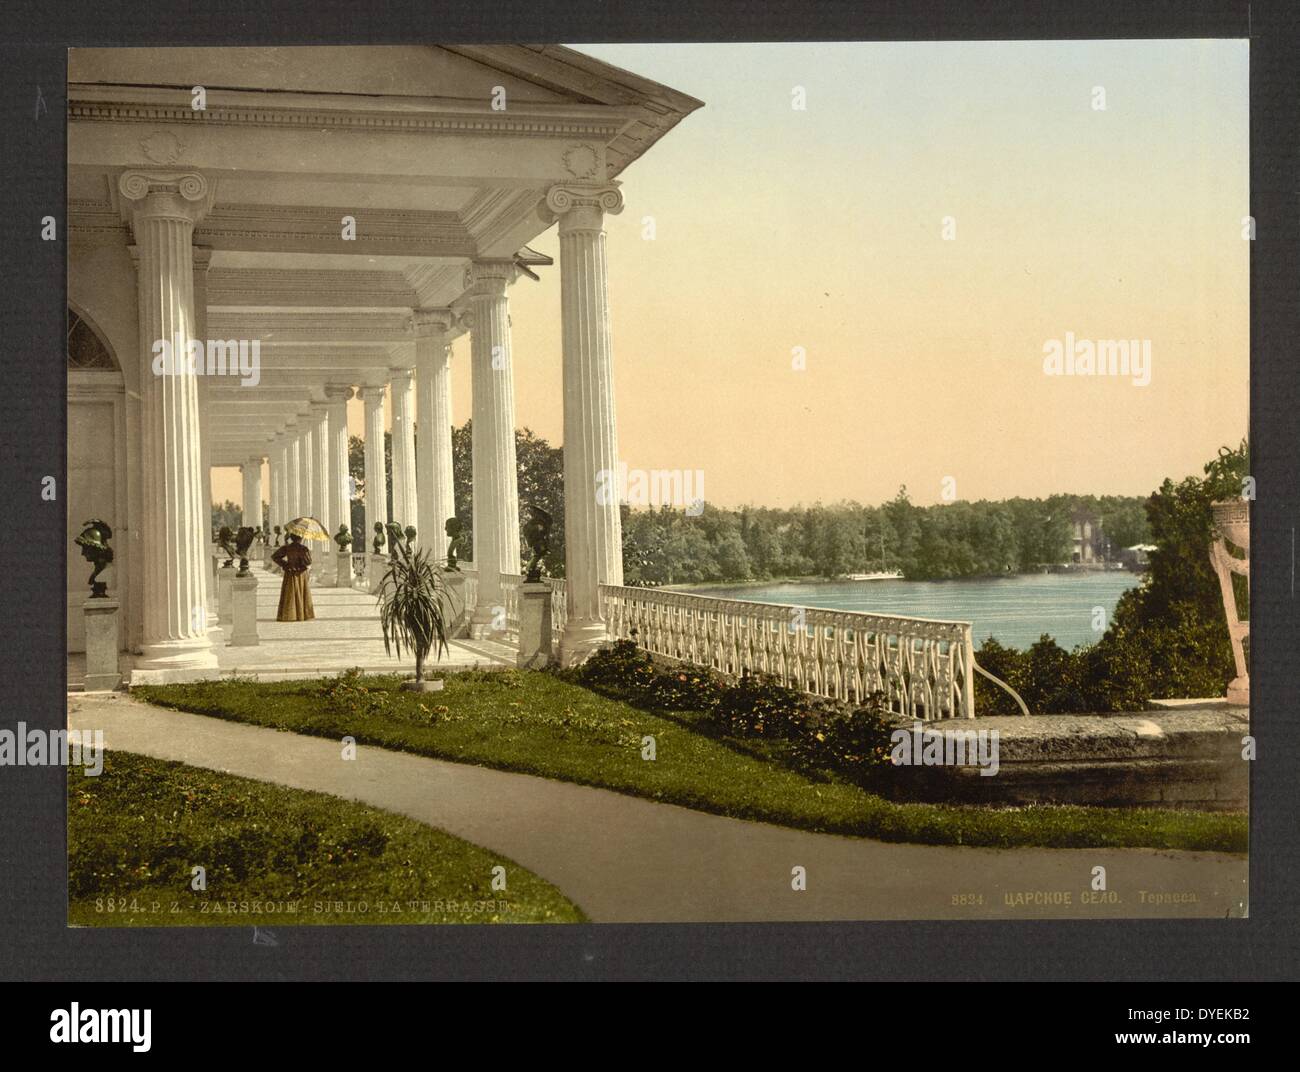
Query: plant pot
{"x":423,"y":686}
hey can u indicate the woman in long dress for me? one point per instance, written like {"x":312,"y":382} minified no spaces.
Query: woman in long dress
{"x":295,"y":596}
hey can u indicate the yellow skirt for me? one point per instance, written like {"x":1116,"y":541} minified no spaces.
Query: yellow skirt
{"x":295,"y":599}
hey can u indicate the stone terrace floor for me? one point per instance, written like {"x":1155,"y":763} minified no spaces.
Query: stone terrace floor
{"x":345,"y":633}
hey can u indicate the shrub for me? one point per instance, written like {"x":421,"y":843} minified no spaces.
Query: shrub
{"x":629,"y":673}
{"x":348,"y":694}
{"x":757,"y":705}
{"x":853,"y":742}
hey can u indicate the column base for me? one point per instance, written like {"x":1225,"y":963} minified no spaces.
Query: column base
{"x":1239,"y":691}
{"x":581,"y":637}
{"x":175,"y":660}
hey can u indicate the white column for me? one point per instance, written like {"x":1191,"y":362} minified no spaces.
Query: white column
{"x":340,"y":501}
{"x":202,"y":258}
{"x":162,"y":208}
{"x":593,"y":535}
{"x":277,"y":504}
{"x":376,"y":469}
{"x":496,"y":477}
{"x":405,"y":508}
{"x":292,"y":473}
{"x":251,"y":471}
{"x":305,"y":462}
{"x":320,"y":466}
{"x":435,"y":491}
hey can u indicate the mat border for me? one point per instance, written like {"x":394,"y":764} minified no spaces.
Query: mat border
{"x":33,"y":867}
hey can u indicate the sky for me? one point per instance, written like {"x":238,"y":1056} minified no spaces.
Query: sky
{"x":843,"y":299}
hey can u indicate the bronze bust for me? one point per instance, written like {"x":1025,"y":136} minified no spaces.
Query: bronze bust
{"x":243,"y":541}
{"x":537,"y":533}
{"x":93,"y":542}
{"x":454,"y":528}
{"x":223,"y":541}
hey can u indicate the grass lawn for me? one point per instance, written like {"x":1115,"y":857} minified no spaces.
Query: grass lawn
{"x":540,"y":724}
{"x":136,"y":830}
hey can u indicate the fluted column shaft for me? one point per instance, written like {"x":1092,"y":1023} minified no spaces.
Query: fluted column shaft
{"x":306,"y":458}
{"x":376,"y":469}
{"x":163,"y":208}
{"x":340,"y":501}
{"x":496,"y":475}
{"x":251,"y":471}
{"x":435,"y":490}
{"x":320,"y":466}
{"x":405,"y":507}
{"x":593,"y":535}
{"x":292,"y":473}
{"x":202,"y":259}
{"x":277,"y":504}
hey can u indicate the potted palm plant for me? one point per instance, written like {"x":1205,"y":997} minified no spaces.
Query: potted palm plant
{"x":414,"y":611}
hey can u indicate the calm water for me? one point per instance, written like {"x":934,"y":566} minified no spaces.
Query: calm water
{"x":1017,"y":610}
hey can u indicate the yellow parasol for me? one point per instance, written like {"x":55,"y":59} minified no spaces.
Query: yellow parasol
{"x":309,"y":529}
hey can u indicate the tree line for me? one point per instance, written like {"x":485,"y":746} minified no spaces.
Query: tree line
{"x":666,"y":545}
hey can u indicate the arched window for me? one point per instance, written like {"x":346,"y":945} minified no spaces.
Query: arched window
{"x":86,"y":350}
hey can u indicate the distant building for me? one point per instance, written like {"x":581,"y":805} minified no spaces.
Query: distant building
{"x":1136,"y":557}
{"x":1089,"y":543}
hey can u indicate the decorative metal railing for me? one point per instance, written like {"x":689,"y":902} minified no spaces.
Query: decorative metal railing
{"x":924,"y":667}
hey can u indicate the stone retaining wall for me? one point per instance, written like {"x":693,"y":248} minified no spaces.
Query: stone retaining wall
{"x":1189,"y":757}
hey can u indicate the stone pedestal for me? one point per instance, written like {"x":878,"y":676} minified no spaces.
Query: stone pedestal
{"x":457,"y":612}
{"x":343,"y":569}
{"x":322,"y":570}
{"x":243,"y":599}
{"x":375,"y":570}
{"x":101,"y":644}
{"x":534,"y":626}
{"x":225,"y":576}
{"x":216,"y":558}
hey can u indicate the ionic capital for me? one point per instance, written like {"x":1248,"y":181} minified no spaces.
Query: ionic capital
{"x":151,"y":193}
{"x":583,"y":205}
{"x":432,"y":323}
{"x":489,"y":279}
{"x":400,"y":378}
{"x":336,"y":393}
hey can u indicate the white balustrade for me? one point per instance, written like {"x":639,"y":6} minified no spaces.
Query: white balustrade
{"x":923,"y":667}
{"x":471,"y":587}
{"x":559,"y":608}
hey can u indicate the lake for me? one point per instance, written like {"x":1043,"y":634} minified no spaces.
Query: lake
{"x":1017,"y":609}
